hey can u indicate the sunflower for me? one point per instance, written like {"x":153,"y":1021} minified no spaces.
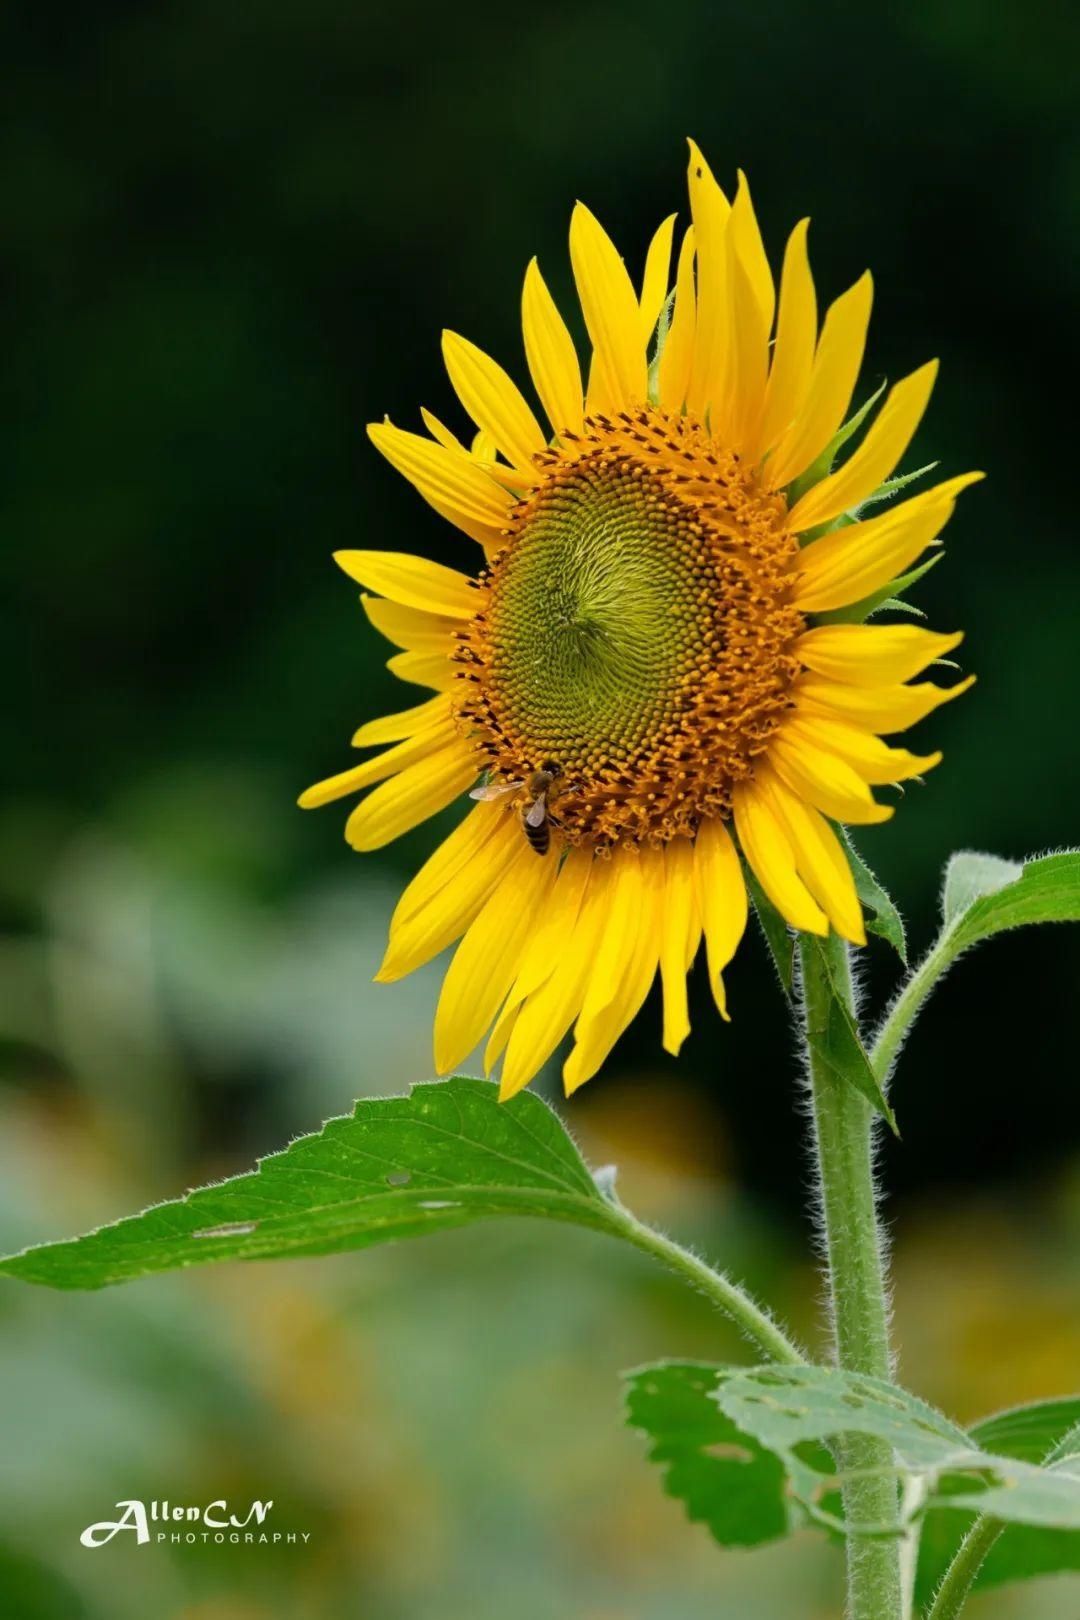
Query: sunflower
{"x":661,"y":658}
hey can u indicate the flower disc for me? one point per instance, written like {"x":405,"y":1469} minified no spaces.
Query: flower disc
{"x":636,"y":633}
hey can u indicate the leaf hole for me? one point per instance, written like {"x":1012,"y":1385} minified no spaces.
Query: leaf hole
{"x":728,"y":1451}
{"x":228,"y":1229}
{"x":399,"y":1178}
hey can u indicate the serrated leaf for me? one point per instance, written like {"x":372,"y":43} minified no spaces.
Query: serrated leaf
{"x":723,"y":1478}
{"x":1023,"y":1551}
{"x":778,"y":936}
{"x":889,"y":596}
{"x":836,"y":1045}
{"x":882,"y":917}
{"x":446,"y":1155}
{"x":794,"y":1411}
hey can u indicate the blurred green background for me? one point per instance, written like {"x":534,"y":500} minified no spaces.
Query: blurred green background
{"x":230,"y":237}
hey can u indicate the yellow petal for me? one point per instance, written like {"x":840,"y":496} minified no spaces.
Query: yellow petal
{"x":559,"y":919}
{"x":596,"y":1033}
{"x":413,"y":581}
{"x":832,"y":382}
{"x":873,"y":654}
{"x":493,"y":401}
{"x":880,"y":452}
{"x":678,"y":352}
{"x":410,"y":628}
{"x":412,"y":796}
{"x":796,"y":337}
{"x":553,"y":361}
{"x":449,"y":889}
{"x":484,"y":964}
{"x":826,"y":782}
{"x":751,"y":250}
{"x":868,"y":756}
{"x":711,"y":211}
{"x":547,"y":1015}
{"x":848,"y":565}
{"x":767,"y":848}
{"x":441,"y":432}
{"x":424,"y":669}
{"x":417,"y":747}
{"x":392,"y":727}
{"x":738,"y":413}
{"x":878,"y":708}
{"x":627,"y":884}
{"x":543,"y":952}
{"x":610,"y":307}
{"x":722,"y":898}
{"x":501,"y":1031}
{"x":654,"y":285}
{"x":819,"y":857}
{"x":447,"y":478}
{"x":681,"y":925}
{"x":484,"y":822}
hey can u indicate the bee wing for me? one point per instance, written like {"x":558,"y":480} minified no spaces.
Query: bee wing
{"x":534,"y":815}
{"x":494,"y":790}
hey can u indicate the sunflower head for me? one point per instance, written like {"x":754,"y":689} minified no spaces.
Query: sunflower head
{"x":660,"y":665}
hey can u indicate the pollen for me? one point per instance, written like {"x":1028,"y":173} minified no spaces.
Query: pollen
{"x":637,"y":630}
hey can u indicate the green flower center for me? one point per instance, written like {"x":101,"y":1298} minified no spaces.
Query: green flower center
{"x":595,"y":617}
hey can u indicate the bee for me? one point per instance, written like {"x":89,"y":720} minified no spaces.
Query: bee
{"x":534,"y":814}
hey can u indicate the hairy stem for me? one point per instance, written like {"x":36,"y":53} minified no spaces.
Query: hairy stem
{"x":855,"y":1273}
{"x":901,"y":1014}
{"x":956,"y":1586}
{"x":752,"y":1321}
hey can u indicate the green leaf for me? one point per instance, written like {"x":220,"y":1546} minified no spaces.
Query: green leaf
{"x":1031,"y":1434}
{"x":969,"y":876}
{"x":981,"y":899}
{"x":724,"y":1479}
{"x":446,"y":1155}
{"x":887,"y":597}
{"x":983,"y":895}
{"x":835,"y":1043}
{"x":778,"y":936}
{"x":882,"y":917}
{"x":794,"y":1412}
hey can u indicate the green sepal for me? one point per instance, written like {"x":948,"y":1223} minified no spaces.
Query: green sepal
{"x":893,"y":486}
{"x":823,"y":465}
{"x":889,"y":596}
{"x":663,"y":327}
{"x":837,"y":1045}
{"x":881,"y":915}
{"x":778,"y":936}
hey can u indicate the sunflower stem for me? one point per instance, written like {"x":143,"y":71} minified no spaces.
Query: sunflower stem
{"x":843,"y":1127}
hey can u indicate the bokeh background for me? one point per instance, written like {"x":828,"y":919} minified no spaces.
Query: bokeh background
{"x":229,"y":236}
